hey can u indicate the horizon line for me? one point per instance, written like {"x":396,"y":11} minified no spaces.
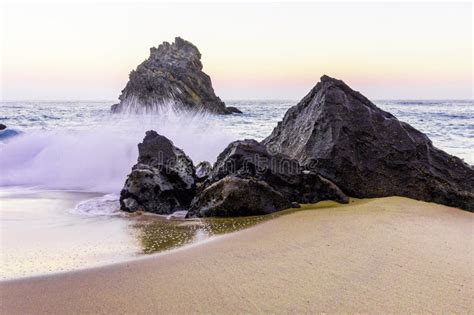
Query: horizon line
{"x":237,"y":100}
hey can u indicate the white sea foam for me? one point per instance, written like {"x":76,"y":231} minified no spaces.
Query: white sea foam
{"x":99,"y":157}
{"x":109,"y":205}
{"x":82,"y":146}
{"x":104,"y":206}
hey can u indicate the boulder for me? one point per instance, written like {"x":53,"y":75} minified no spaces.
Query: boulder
{"x":250,"y":164}
{"x":2,"y":126}
{"x":203,"y":171}
{"x":250,"y":159}
{"x":233,"y":196}
{"x":367,"y":152}
{"x":163,"y":180}
{"x":171,"y":77}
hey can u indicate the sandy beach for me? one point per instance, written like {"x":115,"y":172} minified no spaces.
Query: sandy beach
{"x":41,"y":232}
{"x":381,"y":255}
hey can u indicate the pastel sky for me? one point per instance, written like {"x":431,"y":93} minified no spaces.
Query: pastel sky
{"x":58,"y":51}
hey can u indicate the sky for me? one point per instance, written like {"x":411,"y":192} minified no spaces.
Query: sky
{"x":85,"y":51}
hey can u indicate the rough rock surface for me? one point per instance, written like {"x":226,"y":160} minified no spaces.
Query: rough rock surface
{"x":251,"y":164}
{"x":368,"y":152}
{"x":203,"y":171}
{"x":171,"y":76}
{"x":249,"y":158}
{"x":163,"y":180}
{"x":234,"y":196}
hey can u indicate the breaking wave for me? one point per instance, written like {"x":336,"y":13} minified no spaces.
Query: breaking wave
{"x":98,"y":158}
{"x":101,"y":206}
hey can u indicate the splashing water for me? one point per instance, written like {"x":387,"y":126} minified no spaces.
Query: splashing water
{"x":82,"y":146}
{"x":99,"y":157}
{"x":100,"y":206}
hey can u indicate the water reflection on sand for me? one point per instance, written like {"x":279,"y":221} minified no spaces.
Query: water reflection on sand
{"x":40,"y":234}
{"x":160,"y":234}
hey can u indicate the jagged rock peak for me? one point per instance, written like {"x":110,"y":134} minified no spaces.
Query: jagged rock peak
{"x":181,"y":53}
{"x":328,"y":84}
{"x":171,"y":78}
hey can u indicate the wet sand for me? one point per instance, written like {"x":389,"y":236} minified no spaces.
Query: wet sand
{"x":381,"y":255}
{"x":39,"y":234}
{"x":44,"y":232}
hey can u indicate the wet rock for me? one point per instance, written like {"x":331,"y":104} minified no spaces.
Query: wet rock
{"x":233,"y":196}
{"x":233,"y":110}
{"x":162,"y":181}
{"x":171,"y":77}
{"x":114,"y":108}
{"x":203,"y":171}
{"x":368,"y":152}
{"x":248,"y":160}
{"x":295,"y":205}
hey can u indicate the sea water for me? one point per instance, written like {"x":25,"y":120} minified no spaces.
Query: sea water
{"x":62,"y":165}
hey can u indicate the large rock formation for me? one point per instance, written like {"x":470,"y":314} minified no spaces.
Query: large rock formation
{"x":250,"y":159}
{"x":249,"y":178}
{"x":234,"y":196}
{"x":163,"y":180}
{"x":368,"y":152}
{"x":171,"y":76}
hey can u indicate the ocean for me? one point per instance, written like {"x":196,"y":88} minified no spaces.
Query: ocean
{"x":63,"y":163}
{"x":82,"y":146}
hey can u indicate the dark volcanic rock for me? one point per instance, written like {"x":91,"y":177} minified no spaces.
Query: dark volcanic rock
{"x":171,"y":76}
{"x":115,"y":108}
{"x":234,"y":196}
{"x":2,"y":126}
{"x":368,"y":152}
{"x":163,"y":180}
{"x":233,"y":110}
{"x":252,"y":161}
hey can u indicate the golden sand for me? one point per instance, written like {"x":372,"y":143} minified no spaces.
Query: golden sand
{"x":381,"y":255}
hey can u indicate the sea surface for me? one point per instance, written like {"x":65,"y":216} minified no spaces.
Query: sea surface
{"x":62,"y":165}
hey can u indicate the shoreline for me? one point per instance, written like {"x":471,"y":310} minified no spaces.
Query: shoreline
{"x":142,"y":256}
{"x":42,"y":234}
{"x":124,"y":261}
{"x":386,"y":254}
